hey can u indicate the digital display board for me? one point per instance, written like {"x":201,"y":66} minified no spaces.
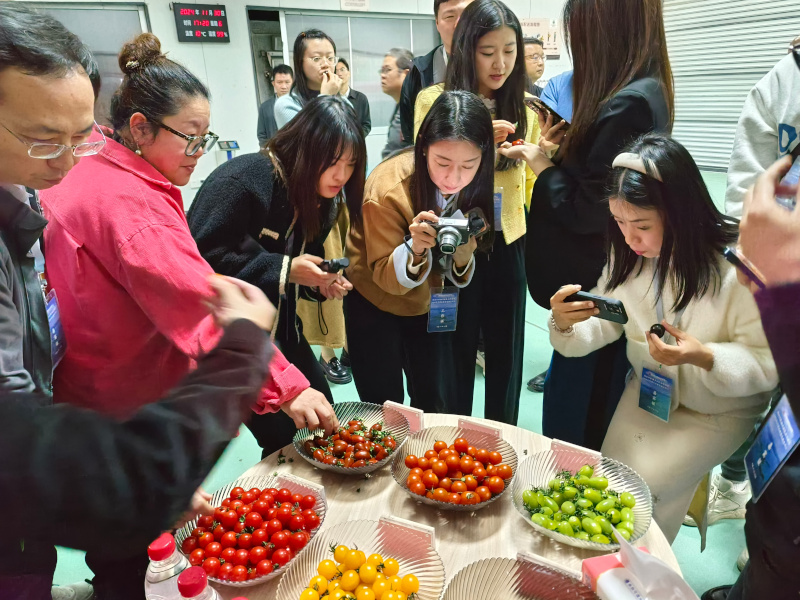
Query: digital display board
{"x":201,"y":22}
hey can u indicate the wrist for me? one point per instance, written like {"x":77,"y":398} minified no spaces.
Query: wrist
{"x":706,"y":359}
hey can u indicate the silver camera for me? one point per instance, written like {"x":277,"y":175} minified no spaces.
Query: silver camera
{"x":453,"y":232}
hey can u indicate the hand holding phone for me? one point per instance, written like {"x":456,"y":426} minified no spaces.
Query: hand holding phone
{"x":570,"y":306}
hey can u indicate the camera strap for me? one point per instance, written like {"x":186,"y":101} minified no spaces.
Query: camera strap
{"x":660,"y":309}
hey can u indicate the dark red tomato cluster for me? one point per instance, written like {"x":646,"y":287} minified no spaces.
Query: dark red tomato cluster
{"x":458,"y":474}
{"x":352,"y":446}
{"x":252,"y":533}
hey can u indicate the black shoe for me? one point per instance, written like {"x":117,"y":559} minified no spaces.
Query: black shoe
{"x":345,"y":360}
{"x":717,"y":593}
{"x":537,"y":383}
{"x":334,"y":371}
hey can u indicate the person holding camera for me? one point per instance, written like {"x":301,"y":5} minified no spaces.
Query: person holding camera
{"x":399,"y":254}
{"x":263,"y":218}
{"x":702,"y":371}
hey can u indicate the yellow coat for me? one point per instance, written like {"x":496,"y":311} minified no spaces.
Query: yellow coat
{"x":517,"y":182}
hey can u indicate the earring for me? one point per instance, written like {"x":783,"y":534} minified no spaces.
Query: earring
{"x":138,"y":152}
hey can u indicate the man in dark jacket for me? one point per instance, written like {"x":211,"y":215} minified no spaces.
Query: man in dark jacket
{"x":356,"y":98}
{"x":282,"y":79}
{"x":432,"y":67}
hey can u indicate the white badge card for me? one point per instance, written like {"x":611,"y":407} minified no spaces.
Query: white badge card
{"x":498,"y":209}
{"x":443,"y":314}
{"x":655,"y":395}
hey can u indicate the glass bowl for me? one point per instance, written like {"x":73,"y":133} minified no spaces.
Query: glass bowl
{"x":538,"y":469}
{"x":295,"y":484}
{"x":478,"y":435}
{"x":370,"y":413}
{"x":411,"y":544}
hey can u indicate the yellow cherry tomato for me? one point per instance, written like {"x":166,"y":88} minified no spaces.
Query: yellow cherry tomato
{"x":365,"y":594}
{"x":398,"y":595}
{"x":380,"y":587}
{"x":338,"y":594}
{"x":327,"y":569}
{"x":334,"y":585}
{"x":375,"y":559}
{"x":395,"y":583}
{"x":309,"y":594}
{"x":319,"y":584}
{"x":390,"y":595}
{"x":410,"y":584}
{"x":339,"y":553}
{"x":341,"y":568}
{"x":368,"y":573}
{"x":354,"y":559}
{"x":391,"y":567}
{"x":350,"y":581}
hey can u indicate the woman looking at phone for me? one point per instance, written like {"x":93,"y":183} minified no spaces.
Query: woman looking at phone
{"x":395,"y":259}
{"x":665,"y":265}
{"x":314,"y":66}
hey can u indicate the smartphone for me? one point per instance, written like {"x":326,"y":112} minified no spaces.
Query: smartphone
{"x":539,"y":106}
{"x":610,"y":309}
{"x":738,"y":260}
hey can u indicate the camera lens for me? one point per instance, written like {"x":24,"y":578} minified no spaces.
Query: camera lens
{"x":449,"y":239}
{"x":612,"y":308}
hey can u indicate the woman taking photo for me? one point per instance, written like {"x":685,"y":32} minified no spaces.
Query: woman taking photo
{"x":666,"y":239}
{"x":488,"y":60}
{"x":314,"y":66}
{"x":263,"y":218}
{"x":622,"y":87}
{"x":395,"y":260}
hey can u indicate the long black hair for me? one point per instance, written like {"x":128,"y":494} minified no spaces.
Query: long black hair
{"x":324,"y":131}
{"x":478,"y":19}
{"x":695,"y":231}
{"x":456,"y":116}
{"x":300,"y":86}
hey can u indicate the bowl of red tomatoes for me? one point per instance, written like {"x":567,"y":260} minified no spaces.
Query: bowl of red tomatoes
{"x":368,"y":438}
{"x":260,"y":524}
{"x":462,"y":468}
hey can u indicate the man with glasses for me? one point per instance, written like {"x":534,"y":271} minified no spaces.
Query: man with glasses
{"x":534,"y":63}
{"x":393,"y":72}
{"x":356,"y":98}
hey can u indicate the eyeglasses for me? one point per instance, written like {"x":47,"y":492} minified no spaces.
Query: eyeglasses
{"x":206,"y":141}
{"x":387,"y":70}
{"x":536,"y":58}
{"x":794,"y":49}
{"x":47,"y":151}
{"x":331,"y":60}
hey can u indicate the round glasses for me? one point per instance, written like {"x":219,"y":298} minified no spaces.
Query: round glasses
{"x":195,"y":142}
{"x":536,"y":58}
{"x":45,"y":151}
{"x":331,"y":60}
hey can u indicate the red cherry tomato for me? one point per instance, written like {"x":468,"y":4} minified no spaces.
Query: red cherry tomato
{"x":264,"y":567}
{"x":245,"y":540}
{"x":244,"y":509}
{"x":198,"y":532}
{"x":284,"y":514}
{"x":495,"y":484}
{"x":495,"y":458}
{"x":519,"y":142}
{"x":280,"y":539}
{"x":297,"y":498}
{"x":260,"y":536}
{"x":298,"y":541}
{"x":503,"y":471}
{"x":239,"y":573}
{"x":311,"y":522}
{"x":211,"y":566}
{"x":189,"y":545}
{"x":205,"y":540}
{"x":296,"y":523}
{"x":219,"y":531}
{"x":411,"y":461}
{"x":242,"y":557}
{"x":236,"y":493}
{"x":225,"y":571}
{"x":239,"y":527}
{"x":284,"y":495}
{"x":461,"y":445}
{"x":281,"y":556}
{"x":273,"y":526}
{"x":229,"y":540}
{"x":229,"y":519}
{"x":257,"y":554}
{"x":253,"y":519}
{"x":228,"y":554}
{"x":214,"y":549}
{"x":197,"y":557}
{"x":206,"y":521}
{"x":261,"y":507}
{"x":308,"y":502}
{"x":249,"y":497}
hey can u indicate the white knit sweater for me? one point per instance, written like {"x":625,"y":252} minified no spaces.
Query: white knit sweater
{"x":727,"y":322}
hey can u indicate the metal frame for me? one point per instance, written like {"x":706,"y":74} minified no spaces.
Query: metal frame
{"x":140,"y":7}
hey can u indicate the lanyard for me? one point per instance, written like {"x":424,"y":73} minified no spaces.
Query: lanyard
{"x":447,"y":205}
{"x":660,"y":308}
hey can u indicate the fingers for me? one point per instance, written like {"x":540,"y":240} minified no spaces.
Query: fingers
{"x":500,"y":124}
{"x":673,"y":331}
{"x":251,"y":292}
{"x":763,"y":193}
{"x":563,"y":293}
{"x":310,"y":417}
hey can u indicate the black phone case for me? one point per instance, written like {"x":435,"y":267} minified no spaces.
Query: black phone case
{"x":610,"y":309}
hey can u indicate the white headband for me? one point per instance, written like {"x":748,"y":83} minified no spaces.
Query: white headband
{"x":634,"y":162}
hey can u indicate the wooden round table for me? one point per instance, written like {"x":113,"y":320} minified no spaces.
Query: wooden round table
{"x":461,"y":537}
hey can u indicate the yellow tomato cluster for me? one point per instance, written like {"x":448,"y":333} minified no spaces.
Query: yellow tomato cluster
{"x":352,"y":575}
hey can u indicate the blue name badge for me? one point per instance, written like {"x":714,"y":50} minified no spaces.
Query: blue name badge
{"x":498,"y":209}
{"x":58,"y":342}
{"x":655,"y":395}
{"x":774,"y":444}
{"x":444,"y":310}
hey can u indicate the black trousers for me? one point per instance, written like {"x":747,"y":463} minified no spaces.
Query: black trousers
{"x":118,"y":579}
{"x":26,"y":573}
{"x":494,"y":303}
{"x":275,"y":430}
{"x":383,"y":347}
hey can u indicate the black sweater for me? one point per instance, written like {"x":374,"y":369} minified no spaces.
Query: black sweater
{"x":569,"y":216}
{"x":241,"y":220}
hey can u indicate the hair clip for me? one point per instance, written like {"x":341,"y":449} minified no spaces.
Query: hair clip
{"x":132,"y":64}
{"x":302,"y":34}
{"x":634,"y":162}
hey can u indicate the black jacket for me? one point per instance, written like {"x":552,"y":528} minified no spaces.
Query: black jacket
{"x":569,"y":218}
{"x":267,"y":127}
{"x":72,"y":477}
{"x":241,"y":219}
{"x":419,"y":77}
{"x":361,"y":106}
{"x":25,"y":361}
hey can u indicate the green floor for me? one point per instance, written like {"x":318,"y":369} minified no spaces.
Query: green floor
{"x":715,"y":566}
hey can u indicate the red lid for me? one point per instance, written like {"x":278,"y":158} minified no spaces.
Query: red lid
{"x":162,"y":548}
{"x":192,"y":582}
{"x":240,"y":598}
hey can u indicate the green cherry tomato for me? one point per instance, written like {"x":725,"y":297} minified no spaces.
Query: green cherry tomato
{"x":627,"y":499}
{"x":548,"y":502}
{"x":584,"y":503}
{"x":554,"y":484}
{"x":626,"y":525}
{"x":594,"y":495}
{"x":568,"y":508}
{"x":591,"y":527}
{"x":565,"y":528}
{"x":582,"y":480}
{"x":605,"y":524}
{"x":623,"y":533}
{"x":570,"y":492}
{"x":598,"y":483}
{"x":627,"y":515}
{"x":582,"y":535}
{"x":558,"y":497}
{"x":606,"y":505}
{"x":586,"y":471}
{"x":589,"y":513}
{"x":614,"y":516}
{"x":530,"y":500}
{"x":575,"y":522}
{"x":558,"y":516}
{"x":539,"y":496}
{"x":538,"y":518}
{"x":600,"y":539}
{"x":550,"y":524}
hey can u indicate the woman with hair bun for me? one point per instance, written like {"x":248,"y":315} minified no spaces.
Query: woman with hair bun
{"x":131,"y":281}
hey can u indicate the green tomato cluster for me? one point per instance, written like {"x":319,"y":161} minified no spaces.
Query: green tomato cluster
{"x":581,"y":506}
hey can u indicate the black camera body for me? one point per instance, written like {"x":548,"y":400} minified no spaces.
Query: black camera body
{"x":452,"y":233}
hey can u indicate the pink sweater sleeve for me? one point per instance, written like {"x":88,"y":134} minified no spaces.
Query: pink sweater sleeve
{"x":162,"y":270}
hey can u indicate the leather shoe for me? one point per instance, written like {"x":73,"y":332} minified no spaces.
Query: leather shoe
{"x":345,"y":360}
{"x":334,"y":371}
{"x":717,"y":593}
{"x":537,"y":383}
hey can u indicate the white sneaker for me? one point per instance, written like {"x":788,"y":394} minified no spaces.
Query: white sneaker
{"x":742,"y":560}
{"x":75,"y":591}
{"x":480,"y":360}
{"x":727,"y":500}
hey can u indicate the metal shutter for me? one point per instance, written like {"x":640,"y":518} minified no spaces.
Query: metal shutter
{"x":719,"y":49}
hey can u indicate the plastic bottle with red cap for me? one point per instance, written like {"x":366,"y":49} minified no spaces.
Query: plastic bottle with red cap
{"x":193,"y":585}
{"x":166,"y":564}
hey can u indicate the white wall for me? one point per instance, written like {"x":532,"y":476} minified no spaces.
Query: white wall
{"x":227,"y":69}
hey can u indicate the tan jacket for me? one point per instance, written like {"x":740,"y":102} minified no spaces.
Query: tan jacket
{"x":517,"y":183}
{"x":385,"y":217}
